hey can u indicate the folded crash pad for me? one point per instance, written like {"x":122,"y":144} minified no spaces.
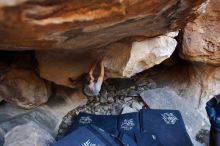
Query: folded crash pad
{"x":167,"y":125}
{"x":108,"y":123}
{"x":88,"y":135}
{"x":125,"y":123}
{"x":127,"y":140}
{"x":129,"y":123}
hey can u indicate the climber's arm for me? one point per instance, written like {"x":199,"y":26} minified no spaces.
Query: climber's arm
{"x":102,"y":71}
{"x":92,"y":69}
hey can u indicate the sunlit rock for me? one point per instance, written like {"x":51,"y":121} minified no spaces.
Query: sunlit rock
{"x":24,"y":88}
{"x":121,"y":59}
{"x":201,"y":41}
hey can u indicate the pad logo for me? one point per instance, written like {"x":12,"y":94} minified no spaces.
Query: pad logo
{"x":169,"y":118}
{"x":88,"y":143}
{"x":85,"y":120}
{"x":127,"y":124}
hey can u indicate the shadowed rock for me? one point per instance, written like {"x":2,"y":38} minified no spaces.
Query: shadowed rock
{"x":28,"y":134}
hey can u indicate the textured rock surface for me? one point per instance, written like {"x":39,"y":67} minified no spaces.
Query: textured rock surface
{"x":122,"y":59}
{"x":29,"y":134}
{"x":201,"y":41}
{"x":47,"y":116}
{"x":24,"y":88}
{"x":30,"y":24}
{"x":196,"y":82}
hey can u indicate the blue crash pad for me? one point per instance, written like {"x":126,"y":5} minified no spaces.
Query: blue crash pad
{"x":167,"y":125}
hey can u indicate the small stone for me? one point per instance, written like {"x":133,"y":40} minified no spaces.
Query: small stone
{"x":106,"y":108}
{"x":136,"y":105}
{"x":132,"y":87}
{"x":127,"y":109}
{"x":96,"y":104}
{"x":103,"y":100}
{"x":140,"y":89}
{"x":111,"y":99}
{"x":133,"y":93}
{"x":123,"y":92}
{"x":97,"y":113}
{"x":127,"y":99}
{"x":111,"y":94}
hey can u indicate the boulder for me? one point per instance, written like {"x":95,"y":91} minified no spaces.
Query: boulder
{"x":90,"y":24}
{"x":24,"y":88}
{"x":201,"y":41}
{"x":195,"y":82}
{"x":121,"y":59}
{"x":191,"y":84}
{"x":28,"y":135}
{"x":167,"y":98}
{"x":47,"y":116}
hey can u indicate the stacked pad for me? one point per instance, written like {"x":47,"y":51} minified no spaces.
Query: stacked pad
{"x":125,"y":123}
{"x":89,"y":135}
{"x":145,"y":128}
{"x":108,"y":123}
{"x":166,"y":125}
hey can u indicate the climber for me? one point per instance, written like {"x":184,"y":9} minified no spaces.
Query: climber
{"x":213,"y":111}
{"x":91,"y":87}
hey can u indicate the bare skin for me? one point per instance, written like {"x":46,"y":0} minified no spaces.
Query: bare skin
{"x":101,"y":75}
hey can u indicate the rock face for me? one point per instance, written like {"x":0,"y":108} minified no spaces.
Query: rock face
{"x":195,"y":82}
{"x":167,"y":98}
{"x":83,"y":25}
{"x":47,"y":116}
{"x":201,"y":41}
{"x":24,"y":88}
{"x":122,"y":59}
{"x":28,"y":135}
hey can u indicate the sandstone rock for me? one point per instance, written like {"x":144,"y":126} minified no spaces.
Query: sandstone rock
{"x":24,"y":88}
{"x":195,"y":83}
{"x":166,"y":98}
{"x":122,"y":59}
{"x":28,"y":135}
{"x":201,"y":41}
{"x":83,"y":25}
{"x":142,"y":55}
{"x":47,"y":116}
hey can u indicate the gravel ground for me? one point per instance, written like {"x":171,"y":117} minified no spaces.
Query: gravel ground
{"x":116,"y":97}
